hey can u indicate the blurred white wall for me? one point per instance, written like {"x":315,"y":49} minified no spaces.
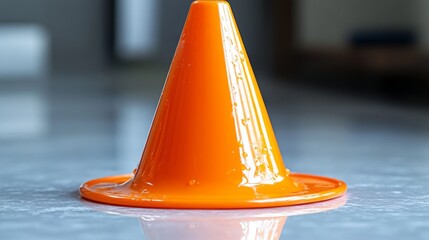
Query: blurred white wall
{"x":24,"y":63}
{"x":23,"y":51}
{"x":137,"y":26}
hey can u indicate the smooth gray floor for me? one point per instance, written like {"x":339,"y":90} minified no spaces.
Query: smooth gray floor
{"x":382,"y":152}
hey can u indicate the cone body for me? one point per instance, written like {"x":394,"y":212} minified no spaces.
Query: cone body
{"x":211,"y":134}
{"x":211,"y":143}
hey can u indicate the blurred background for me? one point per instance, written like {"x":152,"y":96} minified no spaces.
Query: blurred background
{"x":97,"y":67}
{"x":346,"y":83}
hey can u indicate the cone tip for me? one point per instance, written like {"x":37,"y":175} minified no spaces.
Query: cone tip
{"x":210,"y":1}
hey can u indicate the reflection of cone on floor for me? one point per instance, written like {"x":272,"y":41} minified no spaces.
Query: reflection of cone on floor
{"x":263,"y":228}
{"x":211,"y":143}
{"x":264,"y":223}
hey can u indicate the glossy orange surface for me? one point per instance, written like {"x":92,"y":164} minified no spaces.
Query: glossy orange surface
{"x":211,"y":143}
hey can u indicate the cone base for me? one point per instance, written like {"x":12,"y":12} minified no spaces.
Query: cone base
{"x":201,"y":214}
{"x":110,"y":190}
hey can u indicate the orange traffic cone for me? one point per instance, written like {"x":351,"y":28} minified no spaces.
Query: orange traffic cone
{"x":211,"y":144}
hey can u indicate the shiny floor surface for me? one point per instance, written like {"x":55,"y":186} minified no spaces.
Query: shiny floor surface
{"x":381,"y":151}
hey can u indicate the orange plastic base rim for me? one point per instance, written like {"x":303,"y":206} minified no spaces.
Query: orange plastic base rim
{"x":317,"y":188}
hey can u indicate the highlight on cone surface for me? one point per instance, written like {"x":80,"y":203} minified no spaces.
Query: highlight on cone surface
{"x":211,"y":144}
